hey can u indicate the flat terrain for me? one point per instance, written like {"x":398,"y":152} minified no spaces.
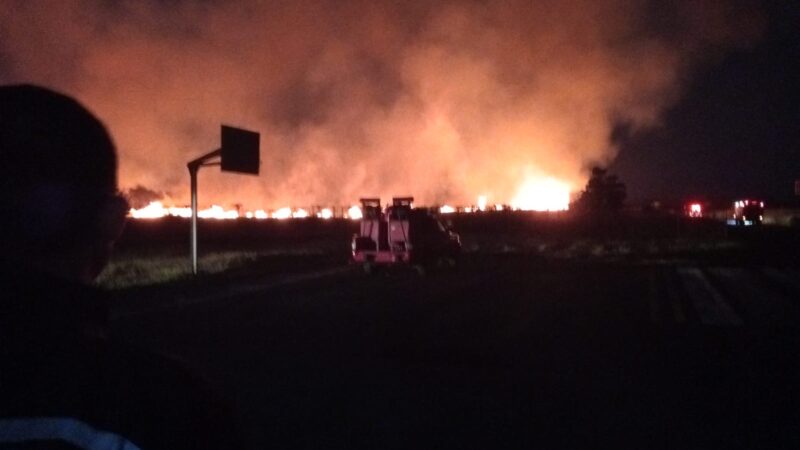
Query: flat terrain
{"x":511,"y":349}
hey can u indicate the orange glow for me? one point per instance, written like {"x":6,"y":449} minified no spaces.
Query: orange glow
{"x":300,"y":213}
{"x":155,"y":210}
{"x":283,"y":213}
{"x":482,"y":203}
{"x":542,"y":194}
{"x":459,"y":95}
{"x":287,"y":213}
{"x":259,"y":214}
{"x":354,"y":213}
{"x":217,"y":212}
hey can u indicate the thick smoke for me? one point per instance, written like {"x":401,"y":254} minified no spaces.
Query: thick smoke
{"x":441,"y":100}
{"x":140,"y":196}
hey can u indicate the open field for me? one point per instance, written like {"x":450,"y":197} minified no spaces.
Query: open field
{"x":550,"y":333}
{"x":156,"y":252}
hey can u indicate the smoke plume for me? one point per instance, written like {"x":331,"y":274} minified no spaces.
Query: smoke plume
{"x":441,"y":100}
{"x":140,"y":196}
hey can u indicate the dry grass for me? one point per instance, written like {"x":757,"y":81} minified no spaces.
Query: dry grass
{"x":142,"y":270}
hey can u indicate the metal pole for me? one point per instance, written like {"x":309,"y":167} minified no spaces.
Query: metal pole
{"x":193,"y":177}
{"x":194,"y":166}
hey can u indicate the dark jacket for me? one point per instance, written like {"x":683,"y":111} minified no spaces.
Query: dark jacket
{"x":65,"y":384}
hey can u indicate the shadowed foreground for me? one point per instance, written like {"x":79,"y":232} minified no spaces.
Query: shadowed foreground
{"x":508,"y":350}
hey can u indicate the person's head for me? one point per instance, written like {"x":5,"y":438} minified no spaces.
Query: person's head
{"x":59,"y":206}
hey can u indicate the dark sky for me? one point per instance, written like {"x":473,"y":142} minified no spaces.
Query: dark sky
{"x":734,"y":133}
{"x":446,"y":101}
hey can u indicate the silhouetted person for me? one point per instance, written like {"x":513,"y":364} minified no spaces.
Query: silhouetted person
{"x":64,"y":383}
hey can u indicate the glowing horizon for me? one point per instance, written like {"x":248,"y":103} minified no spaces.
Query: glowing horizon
{"x":542,"y":194}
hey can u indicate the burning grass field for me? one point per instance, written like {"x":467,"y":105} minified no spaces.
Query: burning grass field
{"x":155,"y":252}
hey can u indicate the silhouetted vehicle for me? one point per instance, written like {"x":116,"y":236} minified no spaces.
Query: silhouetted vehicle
{"x":402,"y":235}
{"x":748,"y":212}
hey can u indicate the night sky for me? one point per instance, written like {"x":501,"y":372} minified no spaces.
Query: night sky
{"x":445,"y":101}
{"x":736,"y":131}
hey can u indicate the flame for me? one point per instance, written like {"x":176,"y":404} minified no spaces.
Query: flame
{"x":283,"y":213}
{"x":155,"y":210}
{"x":482,"y":203}
{"x":355,"y":213}
{"x":258,"y":214}
{"x":535,"y":194}
{"x":542,"y":194}
{"x":217,"y":212}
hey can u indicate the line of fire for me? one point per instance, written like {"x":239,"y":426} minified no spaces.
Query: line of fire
{"x":741,"y":212}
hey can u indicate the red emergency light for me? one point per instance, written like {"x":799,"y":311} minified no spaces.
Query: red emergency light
{"x":694,"y":209}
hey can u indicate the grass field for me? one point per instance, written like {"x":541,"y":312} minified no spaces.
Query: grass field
{"x":157,"y":252}
{"x":143,"y":270}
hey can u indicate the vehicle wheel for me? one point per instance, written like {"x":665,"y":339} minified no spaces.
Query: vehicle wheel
{"x":369,"y":268}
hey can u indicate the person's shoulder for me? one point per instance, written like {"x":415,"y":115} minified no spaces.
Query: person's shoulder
{"x":161,"y":376}
{"x":149,"y":399}
{"x":168,"y":402}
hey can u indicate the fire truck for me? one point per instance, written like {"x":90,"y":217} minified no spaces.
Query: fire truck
{"x":693,"y":210}
{"x":400,"y":234}
{"x":748,"y":212}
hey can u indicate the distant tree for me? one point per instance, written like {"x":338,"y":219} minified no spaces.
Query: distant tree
{"x":603,"y":193}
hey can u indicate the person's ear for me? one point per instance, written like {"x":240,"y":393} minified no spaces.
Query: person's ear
{"x":111,"y":220}
{"x":108,"y":227}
